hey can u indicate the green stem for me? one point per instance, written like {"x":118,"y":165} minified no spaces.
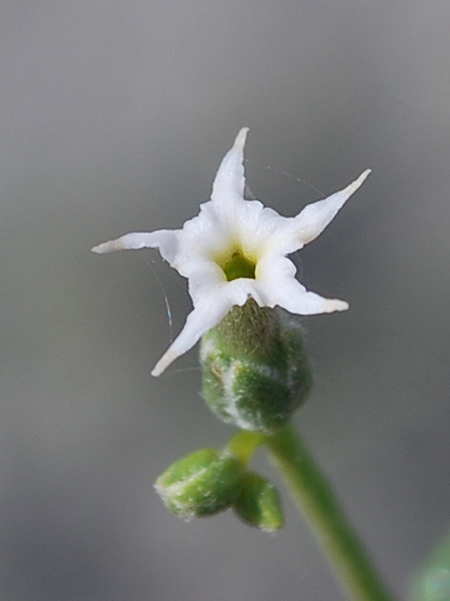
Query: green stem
{"x":244,"y":444}
{"x":317,"y":500}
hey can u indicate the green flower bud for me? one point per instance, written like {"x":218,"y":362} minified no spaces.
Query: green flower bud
{"x":201,"y":484}
{"x":259,"y":503}
{"x":255,"y":369}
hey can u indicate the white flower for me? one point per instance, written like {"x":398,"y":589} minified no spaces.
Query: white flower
{"x":236,"y":249}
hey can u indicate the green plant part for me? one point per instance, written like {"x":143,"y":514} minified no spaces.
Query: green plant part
{"x":201,"y":484}
{"x":255,"y":370}
{"x":432,"y":581}
{"x":259,"y":504}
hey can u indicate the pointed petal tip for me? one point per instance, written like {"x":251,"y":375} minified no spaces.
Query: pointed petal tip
{"x":100,"y":248}
{"x":168,"y":357}
{"x":239,"y":142}
{"x":341,"y":305}
{"x":334,"y":304}
{"x":364,"y":175}
{"x":351,"y":188}
{"x":107,"y":247}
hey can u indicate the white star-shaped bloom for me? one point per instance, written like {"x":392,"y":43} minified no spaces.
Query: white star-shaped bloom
{"x":237,"y":249}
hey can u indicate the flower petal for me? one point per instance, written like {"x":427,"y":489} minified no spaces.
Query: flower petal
{"x":314,"y":218}
{"x":292,"y":296}
{"x":212,"y":306}
{"x":203,"y":276}
{"x":275,"y":276}
{"x":255,"y":225}
{"x":230,"y":181}
{"x":208,"y":313}
{"x":166,"y":240}
{"x":206,"y":234}
{"x":240,"y":290}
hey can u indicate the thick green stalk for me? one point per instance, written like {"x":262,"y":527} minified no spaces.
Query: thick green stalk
{"x":318,"y":502}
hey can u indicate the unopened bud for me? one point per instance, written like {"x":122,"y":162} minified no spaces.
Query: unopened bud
{"x":200,"y":484}
{"x":255,"y":369}
{"x":259,"y":504}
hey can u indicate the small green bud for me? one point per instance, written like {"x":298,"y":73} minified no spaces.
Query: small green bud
{"x":259,"y":503}
{"x":201,"y":484}
{"x":255,"y":369}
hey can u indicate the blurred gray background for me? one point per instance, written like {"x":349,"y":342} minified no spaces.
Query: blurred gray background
{"x":114,"y":118}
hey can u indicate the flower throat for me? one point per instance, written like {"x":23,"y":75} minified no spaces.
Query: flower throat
{"x":238,"y":266}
